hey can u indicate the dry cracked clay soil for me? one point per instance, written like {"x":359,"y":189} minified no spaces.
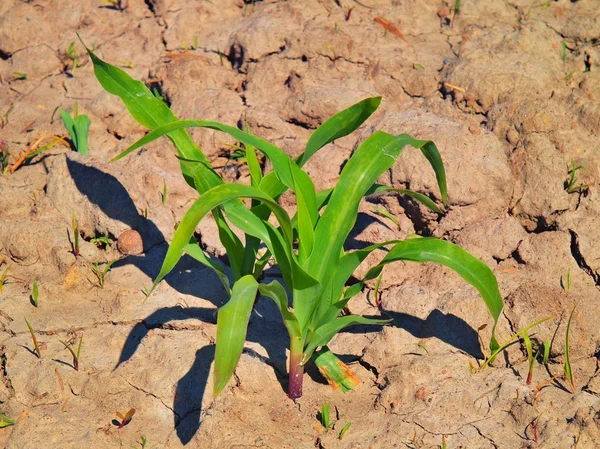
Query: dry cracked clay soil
{"x":508,"y":89}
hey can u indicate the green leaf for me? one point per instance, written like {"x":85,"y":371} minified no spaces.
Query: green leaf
{"x":567,"y":366}
{"x":5,"y":421}
{"x":211,"y":199}
{"x":325,"y":333}
{"x":279,"y":159}
{"x":277,"y":293}
{"x":146,"y":109}
{"x":69,"y":125}
{"x":340,"y":125}
{"x":82,"y":126}
{"x":468,"y":267}
{"x":337,"y":373}
{"x":423,"y":199}
{"x":432,"y":154}
{"x":194,"y":251}
{"x":232,"y":325}
{"x":376,"y":154}
{"x":307,"y":216}
{"x":253,"y":164}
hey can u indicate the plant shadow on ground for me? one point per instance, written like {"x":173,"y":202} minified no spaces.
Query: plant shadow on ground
{"x":265,"y":327}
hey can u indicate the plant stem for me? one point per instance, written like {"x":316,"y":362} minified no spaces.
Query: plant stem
{"x":296,"y":372}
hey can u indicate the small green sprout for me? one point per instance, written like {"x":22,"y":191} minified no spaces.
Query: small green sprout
{"x":516,"y":336}
{"x":76,"y":355}
{"x":567,"y":366}
{"x":384,"y":213}
{"x":78,"y":127}
{"x":35,"y":294}
{"x":344,"y":430}
{"x":101,"y":241}
{"x":423,"y":347}
{"x":546,"y":357}
{"x":325,"y":416}
{"x":164,"y":193}
{"x":531,"y":357}
{"x":75,"y":242}
{"x":35,"y":342}
{"x":564,"y":51}
{"x":102,"y":272}
{"x":376,"y":292}
{"x":4,"y":277}
{"x":20,"y":76}
{"x":4,"y":155}
{"x":572,"y":184}
{"x":195,"y":42}
{"x":5,"y":421}
{"x":444,"y":444}
{"x":71,"y":53}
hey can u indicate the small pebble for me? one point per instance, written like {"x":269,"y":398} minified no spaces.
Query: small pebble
{"x":474,"y":129}
{"x":130,"y":243}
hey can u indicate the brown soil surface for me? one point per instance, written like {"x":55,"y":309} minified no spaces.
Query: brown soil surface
{"x":508,"y":89}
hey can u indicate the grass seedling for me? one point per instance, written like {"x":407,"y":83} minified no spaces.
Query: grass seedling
{"x":308,"y":247}
{"x":563,"y":55}
{"x":164,"y":193}
{"x":5,"y":421}
{"x":384,"y":213}
{"x":20,"y":76}
{"x":516,"y":336}
{"x":102,"y":272}
{"x":376,"y":293}
{"x":71,"y":53}
{"x":75,"y":235}
{"x":325,"y":416}
{"x":35,"y":342}
{"x":531,"y":357}
{"x":4,"y":155}
{"x":35,"y":294}
{"x":78,"y":127}
{"x":444,"y":444}
{"x":546,"y":353}
{"x":125,"y":419}
{"x":4,"y":277}
{"x":567,"y":366}
{"x":143,"y":442}
{"x":101,"y":241}
{"x":423,"y":347}
{"x":344,"y":430}
{"x":573,"y":186}
{"x":76,"y":355}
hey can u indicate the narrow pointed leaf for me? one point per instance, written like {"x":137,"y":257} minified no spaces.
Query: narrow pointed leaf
{"x":421,"y":198}
{"x":82,"y":126}
{"x":215,"y":197}
{"x":325,"y":333}
{"x":146,"y":109}
{"x":340,"y":125}
{"x":277,"y":293}
{"x":232,"y":325}
{"x":468,"y":267}
{"x":194,"y":251}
